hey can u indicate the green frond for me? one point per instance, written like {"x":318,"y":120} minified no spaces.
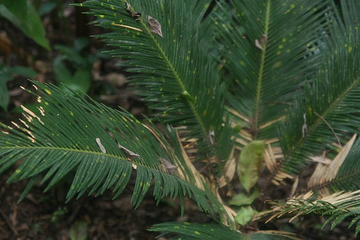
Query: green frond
{"x":347,"y":178}
{"x":216,"y":232}
{"x":349,"y":19}
{"x":173,"y":72}
{"x":350,"y":13}
{"x":268,"y":51}
{"x":99,"y":146}
{"x":331,"y":109}
{"x":337,"y":207}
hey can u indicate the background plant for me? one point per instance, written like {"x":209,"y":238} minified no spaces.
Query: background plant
{"x":288,"y":72}
{"x":6,"y":74}
{"x":73,"y":66}
{"x":24,"y":16}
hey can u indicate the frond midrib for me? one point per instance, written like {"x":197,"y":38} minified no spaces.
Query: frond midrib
{"x":65,"y":149}
{"x":107,"y":155}
{"x":318,"y":121}
{"x":177,"y":77}
{"x":348,"y":177}
{"x":261,"y":70}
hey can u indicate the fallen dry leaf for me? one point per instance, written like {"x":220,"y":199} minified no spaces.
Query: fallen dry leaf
{"x":154,"y":26}
{"x":263,"y":41}
{"x":102,"y":148}
{"x":128,"y":153}
{"x":171,"y":168}
{"x":132,"y":13}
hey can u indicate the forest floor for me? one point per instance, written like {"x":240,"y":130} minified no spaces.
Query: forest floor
{"x":46,"y":216}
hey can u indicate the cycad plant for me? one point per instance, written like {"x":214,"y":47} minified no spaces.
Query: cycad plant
{"x":256,"y":92}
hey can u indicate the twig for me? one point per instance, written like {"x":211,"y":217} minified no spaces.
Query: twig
{"x":329,"y":127}
{"x":8,"y":222}
{"x":74,"y":213}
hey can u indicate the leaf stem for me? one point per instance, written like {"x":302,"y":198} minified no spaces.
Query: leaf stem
{"x":261,"y":71}
{"x":177,"y":77}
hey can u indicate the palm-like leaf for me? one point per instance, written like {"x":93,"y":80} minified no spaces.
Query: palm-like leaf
{"x":217,"y":232}
{"x":348,"y":176}
{"x":178,"y":78}
{"x":101,"y":146}
{"x":327,"y":174}
{"x":332,"y":102}
{"x":264,"y":48}
{"x":338,"y":206}
{"x":273,"y":53}
{"x":342,"y":174}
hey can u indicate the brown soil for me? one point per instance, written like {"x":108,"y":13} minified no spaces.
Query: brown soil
{"x":46,"y":216}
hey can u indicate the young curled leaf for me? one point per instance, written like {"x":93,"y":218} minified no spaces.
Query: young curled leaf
{"x":263,"y":42}
{"x":258,"y":45}
{"x":102,"y":148}
{"x":128,"y":7}
{"x":186,"y":95}
{"x":132,"y":13}
{"x":250,"y":163}
{"x":154,"y":26}
{"x":128,"y":153}
{"x":171,"y":168}
{"x":264,"y":39}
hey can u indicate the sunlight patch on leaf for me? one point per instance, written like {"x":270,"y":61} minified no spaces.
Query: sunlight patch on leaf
{"x":126,"y":26}
{"x":102,"y":148}
{"x":26,"y":130}
{"x":87,"y":147}
{"x":322,"y":159}
{"x":32,"y":114}
{"x":275,"y":121}
{"x":237,"y":114}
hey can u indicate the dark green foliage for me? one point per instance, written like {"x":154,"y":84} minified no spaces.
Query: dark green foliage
{"x":174,"y":73}
{"x":71,"y":134}
{"x":25,"y":16}
{"x":216,"y":231}
{"x":288,"y":72}
{"x":336,"y":207}
{"x":265,"y":79}
{"x":332,"y":101}
{"x":348,"y":177}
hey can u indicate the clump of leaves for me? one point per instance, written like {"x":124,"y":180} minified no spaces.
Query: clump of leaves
{"x":24,"y":16}
{"x":73,"y":66}
{"x":272,"y":86}
{"x":8,"y":73}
